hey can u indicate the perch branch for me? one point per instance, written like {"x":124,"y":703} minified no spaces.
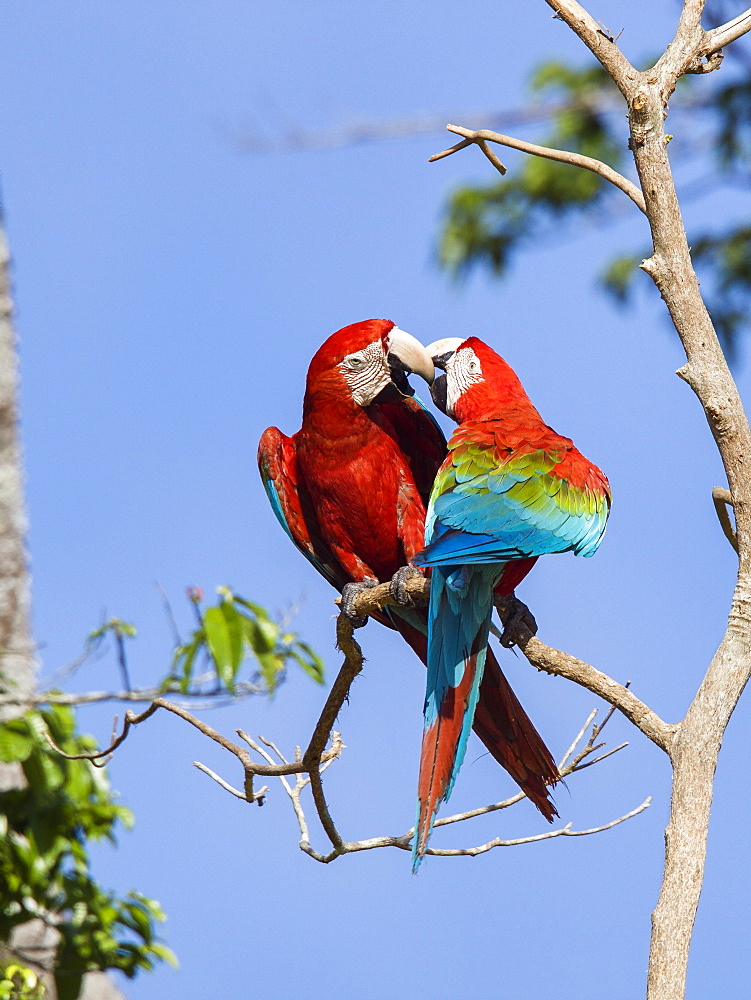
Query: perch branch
{"x":722,"y":500}
{"x":353,"y":661}
{"x":482,"y":136}
{"x":552,"y":661}
{"x":308,"y":767}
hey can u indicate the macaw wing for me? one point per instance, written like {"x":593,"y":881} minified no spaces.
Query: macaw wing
{"x":491,"y":506}
{"x":277,"y":463}
{"x":418,"y":436}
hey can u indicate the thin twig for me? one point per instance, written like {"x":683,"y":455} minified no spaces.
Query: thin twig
{"x":340,"y":847}
{"x":580,"y":767}
{"x":579,"y":736}
{"x":482,"y":136}
{"x":198,"y":700}
{"x":176,"y":637}
{"x":258,"y":796}
{"x":403,"y":843}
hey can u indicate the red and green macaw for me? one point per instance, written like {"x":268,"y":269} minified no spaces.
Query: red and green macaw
{"x":351,"y":490}
{"x":509,"y":491}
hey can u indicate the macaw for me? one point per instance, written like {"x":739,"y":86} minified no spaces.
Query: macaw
{"x":509,"y":491}
{"x":351,"y":490}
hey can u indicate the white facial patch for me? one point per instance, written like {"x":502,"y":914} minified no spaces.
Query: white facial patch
{"x":366,"y":373}
{"x":462,"y":371}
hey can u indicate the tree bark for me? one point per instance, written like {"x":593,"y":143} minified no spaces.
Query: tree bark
{"x":18,"y":665}
{"x":17,"y":661}
{"x":696,"y":741}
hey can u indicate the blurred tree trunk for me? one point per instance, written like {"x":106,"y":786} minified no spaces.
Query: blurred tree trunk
{"x":18,"y":665}
{"x":17,"y":661}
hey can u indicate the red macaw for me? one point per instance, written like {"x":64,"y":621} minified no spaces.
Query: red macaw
{"x":509,"y":491}
{"x":351,"y":489}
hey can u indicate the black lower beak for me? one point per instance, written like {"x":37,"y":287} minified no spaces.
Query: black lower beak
{"x":389,"y":394}
{"x":439,"y":391}
{"x":399,"y":373}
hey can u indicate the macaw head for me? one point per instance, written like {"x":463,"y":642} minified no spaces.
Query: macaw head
{"x":368,"y":362}
{"x":477,"y":382}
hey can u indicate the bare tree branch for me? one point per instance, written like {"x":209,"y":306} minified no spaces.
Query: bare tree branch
{"x":552,"y":661}
{"x":483,"y":136}
{"x":403,"y":842}
{"x":258,"y":797}
{"x":684,"y":53}
{"x":199,"y":700}
{"x":309,"y":767}
{"x":726,"y":33}
{"x":600,"y":44}
{"x":696,"y":741}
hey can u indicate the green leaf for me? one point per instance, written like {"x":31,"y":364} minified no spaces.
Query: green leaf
{"x":224,"y":638}
{"x":255,"y":608}
{"x":165,"y":954}
{"x":262,"y":636}
{"x":271,"y":668}
{"x":310,"y":662}
{"x":16,"y":743}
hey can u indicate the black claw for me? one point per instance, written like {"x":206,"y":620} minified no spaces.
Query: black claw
{"x":398,"y":585}
{"x":350,"y":593}
{"x":518,"y":621}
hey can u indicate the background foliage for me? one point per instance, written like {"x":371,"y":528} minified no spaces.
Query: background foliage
{"x":487,"y":226}
{"x":61,"y":805}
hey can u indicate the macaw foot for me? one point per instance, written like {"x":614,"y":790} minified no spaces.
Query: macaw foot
{"x":350,"y":593}
{"x":400,"y":583}
{"x":518,"y":621}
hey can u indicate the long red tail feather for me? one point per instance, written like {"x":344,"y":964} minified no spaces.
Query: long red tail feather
{"x":438,"y":756}
{"x":504,"y":727}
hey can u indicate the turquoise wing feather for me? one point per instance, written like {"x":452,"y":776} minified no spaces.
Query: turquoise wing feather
{"x":492,"y":505}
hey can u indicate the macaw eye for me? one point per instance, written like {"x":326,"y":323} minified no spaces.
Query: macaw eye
{"x":355,"y":361}
{"x":473,"y":367}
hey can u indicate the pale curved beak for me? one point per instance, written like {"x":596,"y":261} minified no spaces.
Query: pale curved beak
{"x":441,"y":350}
{"x":407,"y":354}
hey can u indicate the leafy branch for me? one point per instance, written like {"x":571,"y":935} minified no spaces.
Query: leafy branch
{"x":45,"y":870}
{"x":309,"y":766}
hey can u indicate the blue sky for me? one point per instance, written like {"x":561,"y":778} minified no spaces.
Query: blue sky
{"x":171,"y":291}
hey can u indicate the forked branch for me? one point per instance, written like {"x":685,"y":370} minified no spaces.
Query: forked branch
{"x":574,"y":760}
{"x":308,"y":767}
{"x":482,"y":137}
